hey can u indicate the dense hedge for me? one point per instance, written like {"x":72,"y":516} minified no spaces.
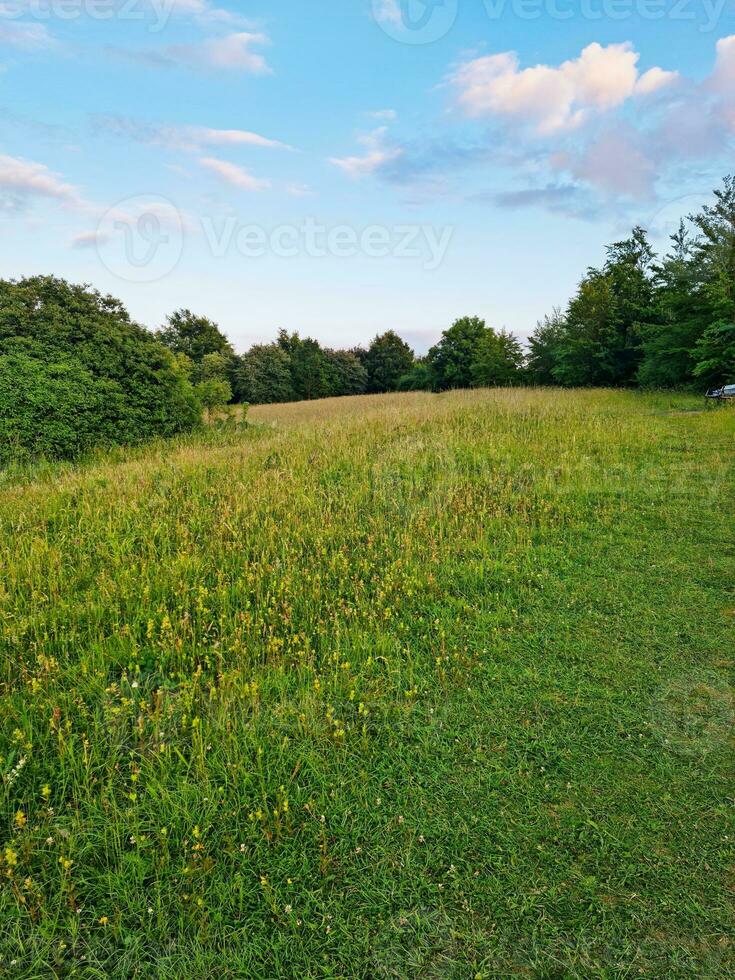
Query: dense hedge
{"x":76,"y":373}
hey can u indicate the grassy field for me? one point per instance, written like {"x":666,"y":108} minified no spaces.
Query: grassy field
{"x":412,"y":686}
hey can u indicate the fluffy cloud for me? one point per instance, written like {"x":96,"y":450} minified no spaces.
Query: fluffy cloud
{"x":234,"y":175}
{"x":22,"y":181}
{"x":550,"y":99}
{"x":378,"y":153}
{"x":723,"y":77}
{"x":654,"y":80}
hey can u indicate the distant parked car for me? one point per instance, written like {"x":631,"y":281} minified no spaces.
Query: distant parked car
{"x":727,"y":391}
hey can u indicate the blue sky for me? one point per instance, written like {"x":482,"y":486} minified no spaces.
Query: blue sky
{"x":342,"y":168}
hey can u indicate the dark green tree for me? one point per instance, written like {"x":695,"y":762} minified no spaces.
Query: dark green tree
{"x":84,"y":373}
{"x":679,"y":319}
{"x":543,"y":348}
{"x":262,"y":376}
{"x":451,"y":360}
{"x":195,"y":336}
{"x":312,"y":374}
{"x":714,"y":254}
{"x":419,"y":378}
{"x":387,"y":359}
{"x":606,"y":320}
{"x":498,"y":360}
{"x":349,"y":375}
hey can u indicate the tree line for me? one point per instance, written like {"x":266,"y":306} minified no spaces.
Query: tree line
{"x":652,"y":322}
{"x":76,"y":372}
{"x":638,"y":320}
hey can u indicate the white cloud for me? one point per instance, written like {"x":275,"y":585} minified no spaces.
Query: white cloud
{"x":723,"y":77}
{"x":190,"y":138}
{"x":552,"y":99}
{"x":25,"y":36}
{"x":89,"y":239}
{"x":232,"y":174}
{"x":654,"y":80}
{"x":388,"y":114}
{"x":377,"y":156}
{"x":234,"y":137}
{"x":233,"y":52}
{"x":23,"y":180}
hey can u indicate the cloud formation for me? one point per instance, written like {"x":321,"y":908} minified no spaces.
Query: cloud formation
{"x":548,"y":99}
{"x":23,"y":181}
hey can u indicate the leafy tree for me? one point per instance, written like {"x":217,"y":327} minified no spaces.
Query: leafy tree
{"x":213,"y":389}
{"x":498,"y":359}
{"x":350,"y":376}
{"x":628,"y":267}
{"x":451,"y":360}
{"x":74,"y":349}
{"x":543,"y":348}
{"x":601,"y":342}
{"x":195,"y":336}
{"x":670,"y":340}
{"x":263,"y":375}
{"x":419,"y":378}
{"x":387,"y":359}
{"x":584,"y":352}
{"x":214,"y":394}
{"x":312,"y":374}
{"x":714,"y":254}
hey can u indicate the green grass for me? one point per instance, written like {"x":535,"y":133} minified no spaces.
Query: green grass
{"x":407,"y":686}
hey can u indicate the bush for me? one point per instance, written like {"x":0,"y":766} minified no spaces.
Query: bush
{"x":76,"y":373}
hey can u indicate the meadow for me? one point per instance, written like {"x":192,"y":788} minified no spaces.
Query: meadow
{"x":401,"y":686}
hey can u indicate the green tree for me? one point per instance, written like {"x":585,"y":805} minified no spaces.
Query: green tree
{"x":498,"y":359}
{"x":419,"y":378}
{"x":584,"y":355}
{"x":543,"y":348}
{"x":669,"y":341}
{"x":312,"y":374}
{"x":263,"y":375}
{"x":350,"y":376}
{"x":76,"y":338}
{"x":195,"y":336}
{"x":387,"y":359}
{"x":606,"y":320}
{"x":451,"y":360}
{"x":714,"y":254}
